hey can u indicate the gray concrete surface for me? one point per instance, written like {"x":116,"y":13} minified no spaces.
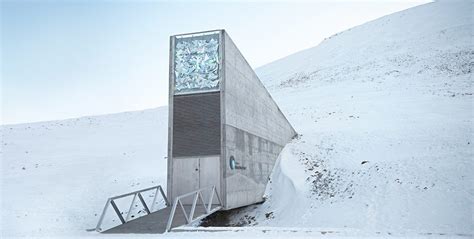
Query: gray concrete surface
{"x":253,"y":131}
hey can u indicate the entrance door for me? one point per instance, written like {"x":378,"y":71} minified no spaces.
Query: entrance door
{"x":185,"y":176}
{"x":209,"y":175}
{"x":193,"y":173}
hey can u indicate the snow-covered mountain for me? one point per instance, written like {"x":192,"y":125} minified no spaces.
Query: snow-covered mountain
{"x":385,"y":110}
{"x":385,"y":116}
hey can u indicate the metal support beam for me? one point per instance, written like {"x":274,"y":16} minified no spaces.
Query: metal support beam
{"x":117,"y":211}
{"x":131,"y":207}
{"x":143,"y":202}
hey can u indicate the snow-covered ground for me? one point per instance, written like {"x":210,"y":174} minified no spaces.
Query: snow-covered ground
{"x":385,"y":116}
{"x":56,"y":176}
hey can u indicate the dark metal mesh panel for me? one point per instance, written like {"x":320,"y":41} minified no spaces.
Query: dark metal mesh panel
{"x":196,"y":124}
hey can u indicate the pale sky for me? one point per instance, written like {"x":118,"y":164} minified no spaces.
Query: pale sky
{"x":65,"y":59}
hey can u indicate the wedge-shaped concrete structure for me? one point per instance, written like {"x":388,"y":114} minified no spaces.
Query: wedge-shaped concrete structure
{"x":225,"y":130}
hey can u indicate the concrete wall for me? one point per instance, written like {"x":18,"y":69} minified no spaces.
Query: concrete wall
{"x":254,"y":130}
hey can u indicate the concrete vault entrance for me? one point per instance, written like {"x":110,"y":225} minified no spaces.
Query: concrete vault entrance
{"x":225,"y":133}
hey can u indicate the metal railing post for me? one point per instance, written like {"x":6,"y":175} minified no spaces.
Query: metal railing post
{"x":164,"y":196}
{"x":117,"y":211}
{"x":193,"y":207}
{"x":217,"y":196}
{"x":173,"y":211}
{"x":97,"y":228}
{"x":154,"y":199}
{"x":131,"y":207}
{"x":203,"y":203}
{"x":209,"y":205}
{"x":144,"y":203}
{"x":184,"y":210}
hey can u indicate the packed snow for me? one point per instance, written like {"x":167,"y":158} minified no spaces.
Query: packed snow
{"x":384,"y":113}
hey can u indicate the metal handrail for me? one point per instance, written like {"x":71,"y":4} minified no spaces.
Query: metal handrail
{"x":197,"y":195}
{"x":136,"y":194}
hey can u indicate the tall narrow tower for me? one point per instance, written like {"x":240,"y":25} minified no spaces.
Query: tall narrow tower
{"x":225,"y":130}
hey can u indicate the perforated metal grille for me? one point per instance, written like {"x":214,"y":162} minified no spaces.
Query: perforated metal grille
{"x":196,"y":124}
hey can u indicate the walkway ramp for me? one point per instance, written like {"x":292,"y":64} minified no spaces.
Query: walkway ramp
{"x":164,"y":219}
{"x":155,"y":222}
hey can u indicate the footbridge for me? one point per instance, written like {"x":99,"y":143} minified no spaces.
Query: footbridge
{"x":163,"y":219}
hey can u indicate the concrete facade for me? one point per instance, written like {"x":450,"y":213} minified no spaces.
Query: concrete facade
{"x":253,"y":132}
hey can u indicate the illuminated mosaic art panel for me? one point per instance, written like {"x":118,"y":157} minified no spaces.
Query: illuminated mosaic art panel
{"x":197,"y":64}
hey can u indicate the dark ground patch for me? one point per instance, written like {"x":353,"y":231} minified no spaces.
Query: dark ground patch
{"x":229,"y":218}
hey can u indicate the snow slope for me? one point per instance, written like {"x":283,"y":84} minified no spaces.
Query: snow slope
{"x":385,"y":113}
{"x":56,"y":176}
